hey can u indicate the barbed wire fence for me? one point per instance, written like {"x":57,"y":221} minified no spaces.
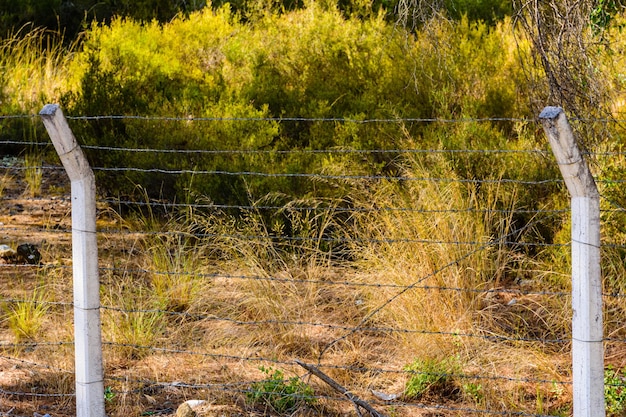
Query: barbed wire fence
{"x":46,"y":357}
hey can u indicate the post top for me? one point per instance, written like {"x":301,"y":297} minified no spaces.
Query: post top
{"x":49,"y":110}
{"x":550,"y":112}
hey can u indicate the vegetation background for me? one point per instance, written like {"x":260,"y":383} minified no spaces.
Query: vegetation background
{"x":269,"y":86}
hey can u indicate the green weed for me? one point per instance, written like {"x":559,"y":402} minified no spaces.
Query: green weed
{"x":135,"y":327}
{"x":109,"y":394}
{"x":175,"y":284}
{"x":279,"y":394}
{"x":615,"y":391}
{"x":431,"y":376}
{"x":474,"y":392}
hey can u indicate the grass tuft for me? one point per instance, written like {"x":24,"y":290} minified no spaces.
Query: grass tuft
{"x":26,"y":318}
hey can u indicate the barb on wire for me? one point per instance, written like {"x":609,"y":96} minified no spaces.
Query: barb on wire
{"x":37,"y":302}
{"x":9,"y":345}
{"x":27,"y":143}
{"x":17,"y":116}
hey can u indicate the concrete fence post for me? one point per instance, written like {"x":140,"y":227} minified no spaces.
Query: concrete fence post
{"x":87,"y":326}
{"x":587,"y":331}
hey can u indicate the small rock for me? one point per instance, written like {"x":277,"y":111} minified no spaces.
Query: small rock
{"x":194,"y":403}
{"x":383,"y":396}
{"x":7,"y":252}
{"x":29,"y":253}
{"x":185,"y":410}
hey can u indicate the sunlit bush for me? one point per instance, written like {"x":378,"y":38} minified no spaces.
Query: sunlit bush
{"x":309,"y":63}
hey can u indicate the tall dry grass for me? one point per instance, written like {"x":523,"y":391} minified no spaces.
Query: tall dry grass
{"x":35,"y":65}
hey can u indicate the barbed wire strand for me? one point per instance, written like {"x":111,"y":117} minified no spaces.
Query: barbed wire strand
{"x":538,"y":152}
{"x":35,"y":364}
{"x":329,"y":176}
{"x":350,"y":329}
{"x":512,"y":152}
{"x":359,"y":369}
{"x":286,"y":238}
{"x":339,"y":209}
{"x":292,"y":280}
{"x":294,"y":207}
{"x":223,"y":275}
{"x":362,"y":369}
{"x":300,"y":119}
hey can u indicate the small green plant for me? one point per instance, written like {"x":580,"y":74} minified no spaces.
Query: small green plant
{"x":474,"y":392}
{"x":33,"y":174}
{"x":431,"y":376}
{"x":615,"y":391}
{"x":109,"y":395}
{"x":279,"y":394}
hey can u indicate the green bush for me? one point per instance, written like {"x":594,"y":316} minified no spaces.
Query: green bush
{"x":309,"y":63}
{"x":614,"y":391}
{"x":278,"y":394}
{"x":431,"y":376}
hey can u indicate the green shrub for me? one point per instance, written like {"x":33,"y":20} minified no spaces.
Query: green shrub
{"x":309,"y":63}
{"x":614,"y":391}
{"x":279,"y":394}
{"x":489,"y":11}
{"x":431,"y":376}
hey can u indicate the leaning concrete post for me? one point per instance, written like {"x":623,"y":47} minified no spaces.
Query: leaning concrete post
{"x":587,"y":332}
{"x":87,"y":335}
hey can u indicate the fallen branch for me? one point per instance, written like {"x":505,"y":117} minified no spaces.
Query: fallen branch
{"x":355,"y":400}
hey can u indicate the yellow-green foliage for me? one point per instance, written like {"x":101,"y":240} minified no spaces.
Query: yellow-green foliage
{"x":26,"y":317}
{"x":471,"y":70}
{"x":313,"y":62}
{"x":35,"y":70}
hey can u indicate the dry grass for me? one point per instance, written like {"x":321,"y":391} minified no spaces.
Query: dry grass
{"x":36,"y":68}
{"x":5,"y":181}
{"x":205,"y":299}
{"x":33,"y":174}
